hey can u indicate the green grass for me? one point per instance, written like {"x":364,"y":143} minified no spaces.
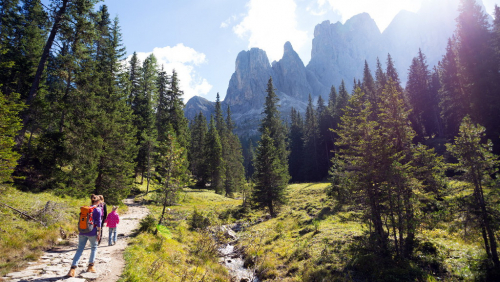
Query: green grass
{"x":23,"y":240}
{"x":178,"y":253}
{"x":309,"y":240}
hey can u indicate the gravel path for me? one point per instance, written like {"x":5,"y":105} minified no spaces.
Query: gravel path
{"x":55,"y":263}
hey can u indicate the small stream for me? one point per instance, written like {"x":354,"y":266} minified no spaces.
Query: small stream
{"x":232,"y":259}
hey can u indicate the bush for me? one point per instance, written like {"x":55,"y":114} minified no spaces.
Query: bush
{"x":198,"y":221}
{"x":147,"y":224}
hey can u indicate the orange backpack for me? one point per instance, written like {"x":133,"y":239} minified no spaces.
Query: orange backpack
{"x":86,"y":222}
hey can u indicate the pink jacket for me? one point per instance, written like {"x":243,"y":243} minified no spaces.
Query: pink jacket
{"x":112,"y":220}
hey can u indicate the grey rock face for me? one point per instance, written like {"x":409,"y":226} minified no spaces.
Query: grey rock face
{"x":247,"y":87}
{"x":198,"y":104}
{"x":339,"y":51}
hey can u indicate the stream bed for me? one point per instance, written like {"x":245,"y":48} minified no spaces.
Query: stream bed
{"x":232,"y":258}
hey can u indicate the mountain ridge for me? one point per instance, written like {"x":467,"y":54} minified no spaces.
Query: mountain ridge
{"x":338,"y":53}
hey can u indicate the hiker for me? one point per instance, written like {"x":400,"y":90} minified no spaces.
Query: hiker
{"x":104,"y":208}
{"x":111,"y":222}
{"x":92,"y":236}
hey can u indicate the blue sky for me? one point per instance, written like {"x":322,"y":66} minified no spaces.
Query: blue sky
{"x":201,"y":38}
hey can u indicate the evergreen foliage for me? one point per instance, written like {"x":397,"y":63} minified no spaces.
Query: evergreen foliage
{"x":375,"y":168}
{"x":271,"y":162}
{"x":479,"y":165}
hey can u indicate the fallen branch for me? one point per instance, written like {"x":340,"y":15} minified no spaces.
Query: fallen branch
{"x":24,"y":214}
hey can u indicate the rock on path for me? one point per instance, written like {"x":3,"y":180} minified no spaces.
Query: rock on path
{"x":55,"y":263}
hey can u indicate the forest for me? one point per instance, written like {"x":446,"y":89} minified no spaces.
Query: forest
{"x":78,"y":118}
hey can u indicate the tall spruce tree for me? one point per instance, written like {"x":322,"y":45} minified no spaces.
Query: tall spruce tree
{"x":478,"y":164}
{"x":311,"y":158}
{"x":196,"y":153}
{"x":271,"y":162}
{"x":213,"y":158}
{"x":115,"y":127}
{"x":235,"y":172}
{"x":296,"y":145}
{"x":144,"y":117}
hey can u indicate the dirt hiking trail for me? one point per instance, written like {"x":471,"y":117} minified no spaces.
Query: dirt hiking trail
{"x":54,"y":264}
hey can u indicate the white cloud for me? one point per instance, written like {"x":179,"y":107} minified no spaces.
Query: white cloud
{"x":269,"y":24}
{"x":382,"y":11}
{"x":184,"y":60}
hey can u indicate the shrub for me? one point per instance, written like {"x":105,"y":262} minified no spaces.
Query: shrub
{"x":147,"y":224}
{"x":198,"y":221}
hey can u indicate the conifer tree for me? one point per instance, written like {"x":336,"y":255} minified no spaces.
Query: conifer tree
{"x":453,"y":102}
{"x":196,"y":153}
{"x":418,"y":96}
{"x":380,"y":79}
{"x":324,"y":148}
{"x":172,"y":171}
{"x":478,"y":164}
{"x":341,"y":103}
{"x":271,"y":176}
{"x":391,"y":73}
{"x":144,"y":117}
{"x":271,"y":162}
{"x":296,"y":146}
{"x":374,"y":166}
{"x":176,"y":112}
{"x":213,"y":158}
{"x":311,"y":144}
{"x":368,"y":86}
{"x":235,"y":172}
{"x":10,"y":124}
{"x":115,"y":127}
{"x":272,"y":121}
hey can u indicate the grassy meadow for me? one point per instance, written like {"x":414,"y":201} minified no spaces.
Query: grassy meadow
{"x":22,"y":239}
{"x":177,"y":253}
{"x":310,"y":240}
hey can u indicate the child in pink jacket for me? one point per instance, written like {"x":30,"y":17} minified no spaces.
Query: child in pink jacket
{"x":111,"y":221}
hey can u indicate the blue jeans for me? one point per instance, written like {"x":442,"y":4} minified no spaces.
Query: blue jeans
{"x":82,"y":241}
{"x":112,"y":235}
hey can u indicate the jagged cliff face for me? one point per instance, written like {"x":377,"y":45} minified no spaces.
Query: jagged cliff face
{"x":338,"y":53}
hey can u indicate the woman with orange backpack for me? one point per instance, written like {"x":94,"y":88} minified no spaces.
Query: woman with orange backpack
{"x":90,"y":230}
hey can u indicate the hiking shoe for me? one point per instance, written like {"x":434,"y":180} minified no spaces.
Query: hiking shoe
{"x":71,"y":272}
{"x":91,"y":268}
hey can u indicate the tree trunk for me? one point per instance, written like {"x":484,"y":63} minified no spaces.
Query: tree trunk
{"x":39,"y":71}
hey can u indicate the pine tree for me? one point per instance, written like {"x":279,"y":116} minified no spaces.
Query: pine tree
{"x":271,"y":162}
{"x":478,"y":164}
{"x":368,"y":86}
{"x":162,"y":108}
{"x":380,"y":79}
{"x":116,"y":130}
{"x":213,"y":157}
{"x":144,"y":117}
{"x":273,"y":122}
{"x":235,"y":172}
{"x":196,"y":153}
{"x":271,"y":176}
{"x":478,"y":70}
{"x":296,"y":146}
{"x":374,"y":166}
{"x":418,"y":96}
{"x":453,"y":102}
{"x":172,"y":172}
{"x":324,"y":154}
{"x":392,"y":73}
{"x":341,"y":103}
{"x":311,"y":145}
{"x":10,"y":124}
{"x":176,"y":112}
